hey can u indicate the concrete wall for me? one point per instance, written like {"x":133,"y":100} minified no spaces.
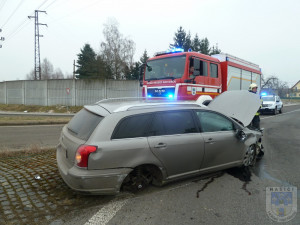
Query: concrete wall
{"x":66,"y":92}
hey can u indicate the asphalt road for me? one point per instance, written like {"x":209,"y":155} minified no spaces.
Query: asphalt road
{"x":229,"y":197}
{"x":22,"y":137}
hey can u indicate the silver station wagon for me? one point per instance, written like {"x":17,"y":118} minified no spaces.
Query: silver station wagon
{"x":122,"y":144}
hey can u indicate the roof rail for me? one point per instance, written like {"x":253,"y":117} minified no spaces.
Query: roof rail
{"x":157,"y":104}
{"x":136,"y":99}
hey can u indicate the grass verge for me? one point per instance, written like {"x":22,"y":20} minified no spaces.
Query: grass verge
{"x":36,"y":108}
{"x":32,"y":120}
{"x":26,"y":152}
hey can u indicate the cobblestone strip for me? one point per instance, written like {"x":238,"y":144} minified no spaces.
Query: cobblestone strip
{"x":32,"y":191}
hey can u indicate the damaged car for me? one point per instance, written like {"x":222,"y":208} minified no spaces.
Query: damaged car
{"x":128,"y":144}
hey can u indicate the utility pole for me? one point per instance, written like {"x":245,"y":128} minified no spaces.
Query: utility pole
{"x":37,"y":60}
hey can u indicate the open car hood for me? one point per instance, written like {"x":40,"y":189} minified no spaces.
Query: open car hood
{"x":241,"y":105}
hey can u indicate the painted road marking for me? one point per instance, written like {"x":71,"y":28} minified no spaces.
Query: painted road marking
{"x":104,"y":215}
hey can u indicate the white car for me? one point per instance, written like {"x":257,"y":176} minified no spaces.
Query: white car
{"x":271,"y":103}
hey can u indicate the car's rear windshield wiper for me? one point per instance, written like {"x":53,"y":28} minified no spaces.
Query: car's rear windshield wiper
{"x":72,"y":131}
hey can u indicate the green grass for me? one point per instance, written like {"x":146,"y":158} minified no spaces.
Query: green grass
{"x":36,"y":108}
{"x":32,"y":120}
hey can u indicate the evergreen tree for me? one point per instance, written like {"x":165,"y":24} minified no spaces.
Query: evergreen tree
{"x":103,"y":70}
{"x":144,"y":57}
{"x":179,"y":39}
{"x":196,"y":44}
{"x":132,"y":73}
{"x":188,"y":42}
{"x":86,"y":63}
{"x":215,"y":50}
{"x":204,"y":46}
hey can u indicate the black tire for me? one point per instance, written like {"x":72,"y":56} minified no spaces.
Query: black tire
{"x":250,"y":156}
{"x":275,"y":111}
{"x":280,"y":111}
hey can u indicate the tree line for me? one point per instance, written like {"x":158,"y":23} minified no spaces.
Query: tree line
{"x":115,"y":59}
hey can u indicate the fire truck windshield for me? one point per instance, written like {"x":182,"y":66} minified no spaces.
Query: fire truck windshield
{"x":166,"y":68}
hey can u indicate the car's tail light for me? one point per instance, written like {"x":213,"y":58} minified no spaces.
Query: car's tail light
{"x":82,"y":154}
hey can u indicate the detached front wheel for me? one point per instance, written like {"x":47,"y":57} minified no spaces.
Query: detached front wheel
{"x":249,"y":158}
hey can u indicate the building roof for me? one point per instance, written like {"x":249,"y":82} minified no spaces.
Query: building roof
{"x":296,"y":84}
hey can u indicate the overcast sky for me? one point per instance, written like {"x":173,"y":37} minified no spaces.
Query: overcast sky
{"x":265,"y":32}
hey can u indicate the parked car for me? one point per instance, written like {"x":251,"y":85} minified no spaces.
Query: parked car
{"x":128,"y":144}
{"x":271,"y":103}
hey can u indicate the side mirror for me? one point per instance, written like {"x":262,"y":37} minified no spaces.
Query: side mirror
{"x":240,"y":134}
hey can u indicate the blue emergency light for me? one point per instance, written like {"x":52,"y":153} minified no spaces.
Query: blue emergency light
{"x":263,"y":94}
{"x":174,"y":50}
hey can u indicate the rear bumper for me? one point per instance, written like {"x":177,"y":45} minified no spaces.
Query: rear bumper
{"x":91,"y":181}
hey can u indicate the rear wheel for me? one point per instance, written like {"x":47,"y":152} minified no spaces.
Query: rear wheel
{"x":140,"y":178}
{"x":249,"y":158}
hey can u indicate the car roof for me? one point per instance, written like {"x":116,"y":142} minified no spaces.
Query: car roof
{"x":109,"y":106}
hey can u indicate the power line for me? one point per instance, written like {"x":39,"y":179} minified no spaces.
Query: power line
{"x":50,"y":4}
{"x":13,"y":13}
{"x":42,"y":4}
{"x":2,"y":4}
{"x":20,"y":27}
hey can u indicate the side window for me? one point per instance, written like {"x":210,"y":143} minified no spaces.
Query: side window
{"x":173,"y":122}
{"x":133,"y":126}
{"x":213,"y":70}
{"x":212,"y":122}
{"x":200,"y":67}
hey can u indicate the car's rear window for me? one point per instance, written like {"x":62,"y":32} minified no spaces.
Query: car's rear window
{"x":83,"y":124}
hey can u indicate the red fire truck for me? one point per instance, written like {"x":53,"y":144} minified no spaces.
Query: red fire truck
{"x":169,"y":75}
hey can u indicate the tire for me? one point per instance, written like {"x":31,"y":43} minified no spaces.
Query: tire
{"x":250,"y":156}
{"x":275,"y":111}
{"x":280,"y":111}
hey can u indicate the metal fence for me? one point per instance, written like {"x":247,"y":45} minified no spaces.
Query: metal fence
{"x":66,"y":92}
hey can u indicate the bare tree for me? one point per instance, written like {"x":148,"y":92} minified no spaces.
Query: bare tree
{"x":46,"y":69}
{"x":117,"y":51}
{"x":276,"y":85}
{"x":58,"y":74}
{"x":47,"y":72}
{"x":30,"y":75}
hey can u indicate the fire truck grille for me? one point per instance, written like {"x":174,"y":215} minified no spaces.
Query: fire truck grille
{"x":161,"y":92}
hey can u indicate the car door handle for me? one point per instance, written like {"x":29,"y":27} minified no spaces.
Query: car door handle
{"x":210,"y":141}
{"x":160,"y":145}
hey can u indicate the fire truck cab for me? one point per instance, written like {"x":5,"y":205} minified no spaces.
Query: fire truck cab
{"x":193,"y":76}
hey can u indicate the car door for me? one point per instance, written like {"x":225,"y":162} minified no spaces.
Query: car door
{"x":175,"y":140}
{"x":222,"y":147}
